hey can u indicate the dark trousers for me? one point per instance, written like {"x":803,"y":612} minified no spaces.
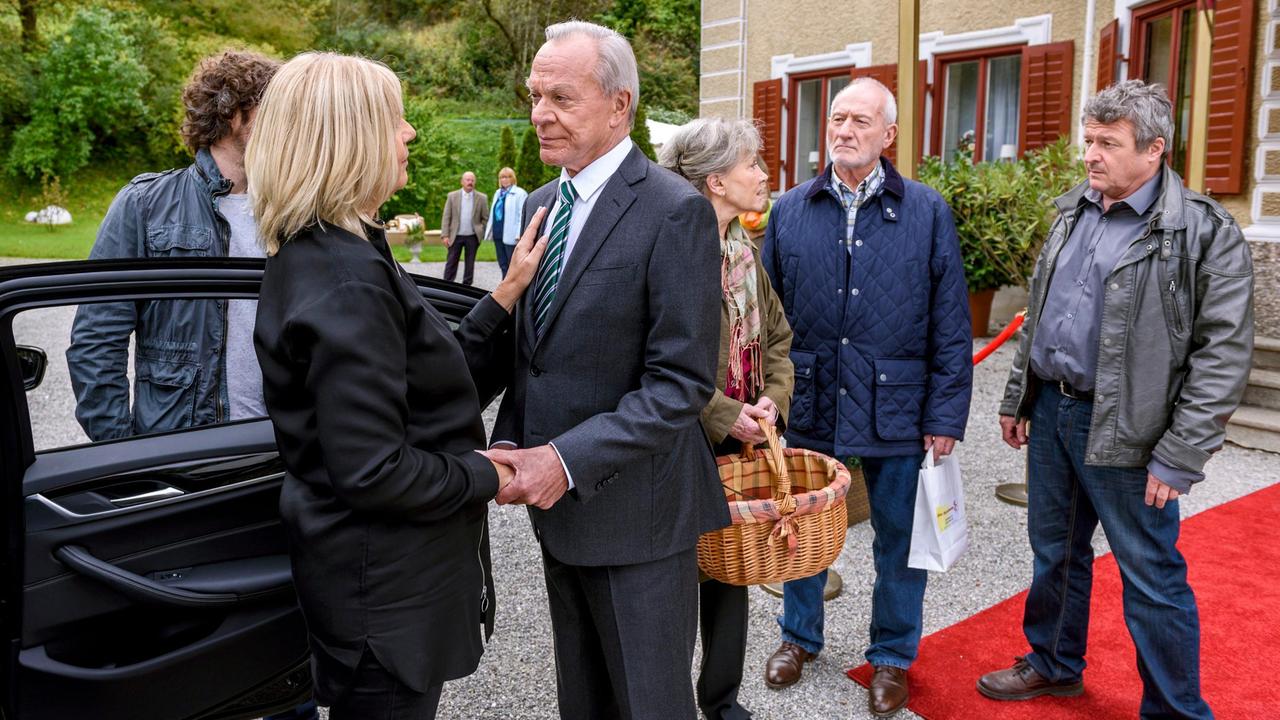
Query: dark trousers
{"x":462,"y":242}
{"x":624,"y":638}
{"x":503,"y":251}
{"x":1066,"y":500}
{"x":376,"y":694}
{"x":722,"y":614}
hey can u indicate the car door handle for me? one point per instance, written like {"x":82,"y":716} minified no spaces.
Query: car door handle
{"x":227,"y":583}
{"x":163,"y":493}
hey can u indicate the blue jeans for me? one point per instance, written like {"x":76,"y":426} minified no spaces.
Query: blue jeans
{"x":1066,"y":501}
{"x":897,"y":601}
{"x":504,"y":254}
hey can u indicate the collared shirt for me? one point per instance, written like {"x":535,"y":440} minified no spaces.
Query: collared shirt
{"x":466,"y":212}
{"x":587,"y":184}
{"x":1066,"y":341}
{"x":851,"y":199}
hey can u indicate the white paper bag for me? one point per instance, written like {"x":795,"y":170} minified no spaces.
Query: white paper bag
{"x":939,"y":531}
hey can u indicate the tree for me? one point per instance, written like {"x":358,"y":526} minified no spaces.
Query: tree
{"x":529,"y":168}
{"x":507,"y":148}
{"x":520,"y":25}
{"x":640,"y":135}
{"x":90,"y":91}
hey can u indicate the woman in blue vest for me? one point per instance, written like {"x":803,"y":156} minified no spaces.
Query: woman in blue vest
{"x":504,"y":217}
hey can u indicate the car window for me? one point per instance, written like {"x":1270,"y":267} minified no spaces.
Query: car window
{"x":131,"y":368}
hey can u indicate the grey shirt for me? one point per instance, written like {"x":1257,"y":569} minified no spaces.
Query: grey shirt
{"x":1066,"y":340}
{"x":244,"y":377}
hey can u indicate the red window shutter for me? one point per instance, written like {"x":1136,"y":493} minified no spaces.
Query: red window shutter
{"x":767,"y":111}
{"x":1230,"y":69}
{"x":888,"y":76}
{"x":1108,"y":54}
{"x":1045,"y":112}
{"x":922,"y":86}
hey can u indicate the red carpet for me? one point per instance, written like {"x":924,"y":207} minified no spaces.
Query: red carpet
{"x":1233,"y":554}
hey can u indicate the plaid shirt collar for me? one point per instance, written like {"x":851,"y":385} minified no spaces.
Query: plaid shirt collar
{"x":851,"y":199}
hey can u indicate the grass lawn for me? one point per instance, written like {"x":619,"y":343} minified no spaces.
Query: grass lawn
{"x":89,"y":194}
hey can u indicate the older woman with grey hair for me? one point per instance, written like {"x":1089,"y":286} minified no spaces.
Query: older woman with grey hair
{"x":754,"y":379}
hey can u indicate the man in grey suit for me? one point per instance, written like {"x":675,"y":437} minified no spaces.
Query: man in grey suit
{"x":465,"y":213}
{"x":616,"y":358}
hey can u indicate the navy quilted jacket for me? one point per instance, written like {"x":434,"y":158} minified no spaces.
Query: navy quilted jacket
{"x":883,"y":346}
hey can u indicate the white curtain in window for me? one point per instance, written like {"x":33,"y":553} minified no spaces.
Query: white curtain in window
{"x":1004,"y":78}
{"x":809,"y":124}
{"x":961,"y":106}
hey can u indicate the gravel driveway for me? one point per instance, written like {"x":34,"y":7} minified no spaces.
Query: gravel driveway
{"x":516,"y":679}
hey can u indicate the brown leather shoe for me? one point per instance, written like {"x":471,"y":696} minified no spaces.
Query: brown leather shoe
{"x":888,"y":692}
{"x":785,"y":665}
{"x":1022,"y":682}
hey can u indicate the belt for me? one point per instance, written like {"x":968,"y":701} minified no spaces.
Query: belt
{"x":1067,"y":391}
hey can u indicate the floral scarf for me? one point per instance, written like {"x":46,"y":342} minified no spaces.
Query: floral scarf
{"x":744,"y":378}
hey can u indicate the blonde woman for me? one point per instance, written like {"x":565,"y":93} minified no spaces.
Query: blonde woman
{"x":754,"y":379}
{"x":504,"y":217}
{"x":376,"y":403}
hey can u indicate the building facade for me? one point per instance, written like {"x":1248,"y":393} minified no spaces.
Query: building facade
{"x":1014,"y":74}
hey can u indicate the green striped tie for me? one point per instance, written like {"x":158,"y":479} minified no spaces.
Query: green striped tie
{"x":553,"y":261}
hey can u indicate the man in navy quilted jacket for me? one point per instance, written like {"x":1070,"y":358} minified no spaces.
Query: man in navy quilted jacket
{"x":868,"y":267}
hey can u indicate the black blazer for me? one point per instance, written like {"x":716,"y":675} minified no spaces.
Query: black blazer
{"x":622,"y":372}
{"x":377,"y":418}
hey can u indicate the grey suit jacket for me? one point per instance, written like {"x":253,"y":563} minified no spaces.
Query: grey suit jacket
{"x":622,"y":371}
{"x":449,"y":220}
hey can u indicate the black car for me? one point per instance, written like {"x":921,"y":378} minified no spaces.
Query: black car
{"x":145,"y":577}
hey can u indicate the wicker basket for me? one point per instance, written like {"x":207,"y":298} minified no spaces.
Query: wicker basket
{"x":788,"y":511}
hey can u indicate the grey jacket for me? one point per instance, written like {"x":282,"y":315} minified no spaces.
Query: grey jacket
{"x":178,"y":378}
{"x":1176,"y":340}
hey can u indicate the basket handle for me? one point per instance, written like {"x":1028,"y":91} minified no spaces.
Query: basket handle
{"x":777,"y":463}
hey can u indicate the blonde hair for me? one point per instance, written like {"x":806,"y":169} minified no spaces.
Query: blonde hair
{"x":324,"y":145}
{"x":515,"y":180}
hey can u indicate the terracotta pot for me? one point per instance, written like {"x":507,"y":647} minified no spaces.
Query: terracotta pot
{"x":980,"y":311}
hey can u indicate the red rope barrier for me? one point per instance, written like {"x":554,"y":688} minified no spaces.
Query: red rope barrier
{"x":1000,"y":339}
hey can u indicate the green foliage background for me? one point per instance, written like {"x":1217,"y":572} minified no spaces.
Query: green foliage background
{"x":93,"y":97}
{"x":1003,"y":210}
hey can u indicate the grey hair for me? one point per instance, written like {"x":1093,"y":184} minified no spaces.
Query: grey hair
{"x":709,"y":146}
{"x":890,"y":108}
{"x":616,"y":66}
{"x":1145,"y":106}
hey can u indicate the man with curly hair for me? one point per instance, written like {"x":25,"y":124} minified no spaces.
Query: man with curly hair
{"x":194,"y":358}
{"x":194,"y":362}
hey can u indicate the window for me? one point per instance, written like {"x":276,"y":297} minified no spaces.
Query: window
{"x":981,"y":94}
{"x":811,"y":95}
{"x":1164,"y":35}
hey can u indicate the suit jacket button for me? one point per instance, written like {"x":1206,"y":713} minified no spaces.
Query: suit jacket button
{"x":534,"y":370}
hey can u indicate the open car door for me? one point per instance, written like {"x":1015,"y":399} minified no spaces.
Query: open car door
{"x":147,"y":576}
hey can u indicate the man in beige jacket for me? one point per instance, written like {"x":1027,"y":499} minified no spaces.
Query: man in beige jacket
{"x":465,"y":213}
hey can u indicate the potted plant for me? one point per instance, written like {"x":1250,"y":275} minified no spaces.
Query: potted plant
{"x":1002,"y":211}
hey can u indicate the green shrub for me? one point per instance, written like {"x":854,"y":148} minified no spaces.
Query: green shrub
{"x":640,"y":135}
{"x":89,"y":91}
{"x":1003,"y":210}
{"x":506,"y":148}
